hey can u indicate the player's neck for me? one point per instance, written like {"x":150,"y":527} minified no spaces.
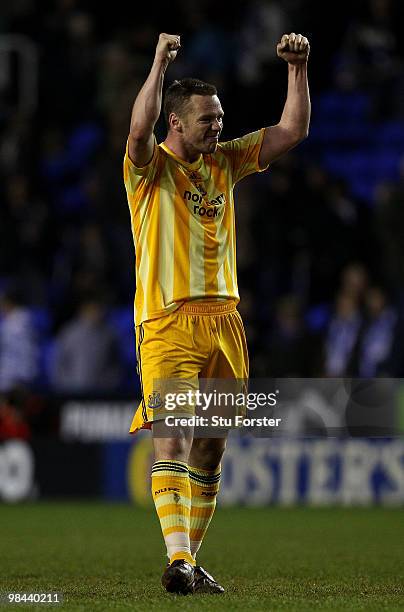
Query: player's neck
{"x":185,"y":152}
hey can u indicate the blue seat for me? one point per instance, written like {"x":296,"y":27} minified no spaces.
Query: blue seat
{"x":336,"y":132}
{"x":363,"y":188}
{"x":346,"y":106}
{"x":390,"y":134}
{"x":41,"y":320}
{"x":121,"y":319}
{"x":83,"y":142}
{"x":47,"y":354}
{"x":317,"y":317}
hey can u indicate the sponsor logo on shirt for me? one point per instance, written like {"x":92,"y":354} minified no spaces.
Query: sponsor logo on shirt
{"x":204,"y":207}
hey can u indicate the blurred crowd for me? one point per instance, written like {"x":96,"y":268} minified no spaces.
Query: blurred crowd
{"x":321,"y":269}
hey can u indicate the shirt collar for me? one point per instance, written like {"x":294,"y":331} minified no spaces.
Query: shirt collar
{"x":189,"y":166}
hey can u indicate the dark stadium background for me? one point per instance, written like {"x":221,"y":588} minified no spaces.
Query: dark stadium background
{"x":324,"y":223}
{"x":320,"y":235}
{"x":321,"y":277}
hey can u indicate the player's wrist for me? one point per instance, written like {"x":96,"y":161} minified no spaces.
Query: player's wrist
{"x":297,"y":67}
{"x":161,"y":62}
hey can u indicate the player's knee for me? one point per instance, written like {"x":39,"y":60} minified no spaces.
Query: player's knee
{"x":207,"y":452}
{"x":173,"y":449}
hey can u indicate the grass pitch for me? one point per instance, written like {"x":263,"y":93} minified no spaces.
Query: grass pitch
{"x":110,"y":557}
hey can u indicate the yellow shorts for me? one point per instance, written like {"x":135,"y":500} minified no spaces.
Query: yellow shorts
{"x":200,"y":340}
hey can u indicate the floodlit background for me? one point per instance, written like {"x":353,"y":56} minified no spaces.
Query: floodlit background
{"x":320,"y":246}
{"x":320,"y":235}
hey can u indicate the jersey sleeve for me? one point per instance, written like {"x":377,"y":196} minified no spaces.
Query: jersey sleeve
{"x":134,"y":175}
{"x":243,"y":154}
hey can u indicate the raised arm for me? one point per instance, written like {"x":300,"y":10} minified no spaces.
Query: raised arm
{"x":147,"y":107}
{"x":293,"y":126}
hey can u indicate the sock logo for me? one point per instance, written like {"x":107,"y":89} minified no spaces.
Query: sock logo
{"x":166,"y":490}
{"x":209,"y":493}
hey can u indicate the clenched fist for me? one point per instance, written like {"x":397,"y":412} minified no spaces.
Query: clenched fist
{"x":293,"y":48}
{"x":167,"y":47}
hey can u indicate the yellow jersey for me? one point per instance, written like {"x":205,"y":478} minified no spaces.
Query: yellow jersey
{"x":183,"y":224}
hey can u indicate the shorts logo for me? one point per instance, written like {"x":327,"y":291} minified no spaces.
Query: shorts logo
{"x":154,"y":400}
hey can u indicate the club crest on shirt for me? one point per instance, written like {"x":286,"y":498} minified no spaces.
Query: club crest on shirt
{"x":154,"y":401}
{"x":197,"y":181}
{"x":195,"y":177}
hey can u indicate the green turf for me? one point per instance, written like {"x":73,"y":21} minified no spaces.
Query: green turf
{"x":110,"y":557}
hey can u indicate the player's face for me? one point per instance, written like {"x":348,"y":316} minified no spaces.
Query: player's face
{"x":203,"y":123}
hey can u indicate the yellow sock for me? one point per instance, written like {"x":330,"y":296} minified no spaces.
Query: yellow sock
{"x":204,"y":489}
{"x":171,"y":491}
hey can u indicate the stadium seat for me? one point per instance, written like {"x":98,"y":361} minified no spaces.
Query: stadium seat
{"x":341,"y":105}
{"x":317,"y":317}
{"x":121,"y":320}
